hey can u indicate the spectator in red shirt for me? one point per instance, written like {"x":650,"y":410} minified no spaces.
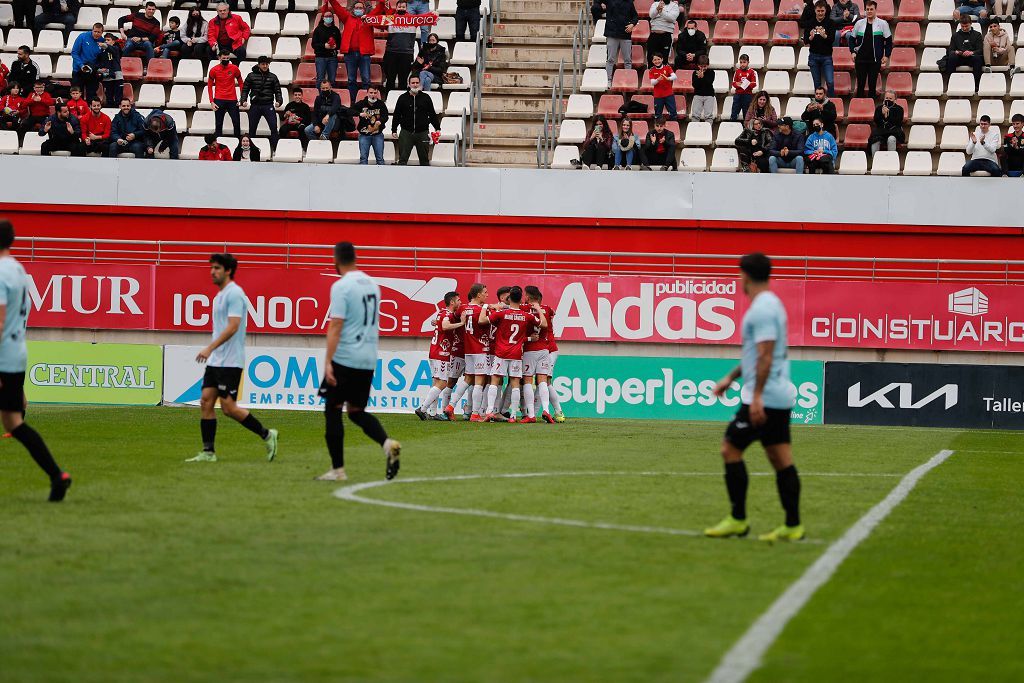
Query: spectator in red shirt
{"x":37,"y":106}
{"x":356,"y":44}
{"x":659,"y":148}
{"x":141,"y":32}
{"x":662,"y":77}
{"x":228,"y":33}
{"x":4,"y":73}
{"x":214,"y":151}
{"x":12,"y":108}
{"x":95,"y":131}
{"x":221,"y":88}
{"x":76,"y":104}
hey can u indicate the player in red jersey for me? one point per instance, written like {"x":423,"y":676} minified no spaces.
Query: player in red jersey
{"x":513,"y":326}
{"x":445,"y":322}
{"x":477,"y":343}
{"x":457,"y":385}
{"x":556,"y":409}
{"x":537,"y":360}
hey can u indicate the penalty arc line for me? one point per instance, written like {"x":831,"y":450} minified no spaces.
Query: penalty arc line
{"x":745,"y":656}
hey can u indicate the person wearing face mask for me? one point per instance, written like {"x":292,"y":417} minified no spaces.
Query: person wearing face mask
{"x":1013,"y":147}
{"x":399,"y":49}
{"x":414,"y":113}
{"x":220,"y":85}
{"x":194,"y":43}
{"x":692,"y":43}
{"x":888,"y":124}
{"x":326,"y":111}
{"x":373,"y":115}
{"x":431,"y":62}
{"x":820,"y":150}
{"x":821,"y":107}
{"x":754,"y":147}
{"x":246,"y":151}
{"x":356,"y":44}
{"x":982,"y":146}
{"x":326,"y":41}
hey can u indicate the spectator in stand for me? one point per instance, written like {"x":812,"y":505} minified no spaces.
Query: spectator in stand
{"x":373,"y":116}
{"x":194,"y":38}
{"x":85,"y":54}
{"x":663,"y":17}
{"x":76,"y":104}
{"x":414,"y":113}
{"x":24,"y":70}
{"x":161,"y":133}
{"x":420,"y":7}
{"x":787,"y":149}
{"x":220,"y":86}
{"x":625,"y":145}
{"x":619,"y":21}
{"x":965,"y":49}
{"x":692,"y":43}
{"x":806,"y":15}
{"x":982,"y":146}
{"x":744,"y":83}
{"x":597,"y":148}
{"x":272,"y":6}
{"x":398,"y":50}
{"x":57,"y":12}
{"x":998,"y":47}
{"x":659,"y":148}
{"x":820,"y":36}
{"x":127,"y":130}
{"x":326,"y":41}
{"x":233,"y":4}
{"x":705,"y":104}
{"x":214,"y":151}
{"x":888,"y":124}
{"x":37,"y":107}
{"x":467,"y":15}
{"x":968,"y":8}
{"x":13,"y":108}
{"x":246,"y":151}
{"x":821,"y":107}
{"x":431,"y":63}
{"x":870,"y":42}
{"x":295,"y":117}
{"x":356,"y":45}
{"x":63,"y":130}
{"x":1003,"y":9}
{"x":844,"y":15}
{"x":228,"y":33}
{"x":4,"y":73}
{"x":1013,"y":147}
{"x":24,"y":14}
{"x":762,"y":109}
{"x":141,"y":32}
{"x":109,"y":70}
{"x":754,"y":147}
{"x":662,"y":77}
{"x":261,"y":94}
{"x":170,"y":40}
{"x":326,"y":110}
{"x":820,"y":150}
{"x":598,"y":9}
{"x":95,"y":131}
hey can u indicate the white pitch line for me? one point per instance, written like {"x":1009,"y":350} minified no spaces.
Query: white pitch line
{"x":745,"y":656}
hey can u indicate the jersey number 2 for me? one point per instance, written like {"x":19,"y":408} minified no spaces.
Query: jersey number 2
{"x":512,"y":336}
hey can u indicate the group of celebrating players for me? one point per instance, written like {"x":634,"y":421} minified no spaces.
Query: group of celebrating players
{"x":477,"y":347}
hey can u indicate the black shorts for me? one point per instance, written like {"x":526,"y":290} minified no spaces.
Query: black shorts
{"x":352,"y":387}
{"x":12,"y":391}
{"x":224,"y":380}
{"x":741,"y":433}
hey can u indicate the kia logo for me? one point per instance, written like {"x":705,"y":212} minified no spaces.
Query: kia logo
{"x":905,"y":393}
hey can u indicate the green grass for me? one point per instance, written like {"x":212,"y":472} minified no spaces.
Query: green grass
{"x":154,"y":570}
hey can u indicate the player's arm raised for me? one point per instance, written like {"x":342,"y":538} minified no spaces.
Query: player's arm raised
{"x":233,"y":323}
{"x":333,"y":336}
{"x":765,"y":349}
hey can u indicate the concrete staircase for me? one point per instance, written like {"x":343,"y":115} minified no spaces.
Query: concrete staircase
{"x":522,"y":66}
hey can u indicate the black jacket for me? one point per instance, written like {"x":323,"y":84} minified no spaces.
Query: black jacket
{"x":300,"y":109}
{"x":254,"y":152}
{"x":794,"y":142}
{"x":651,"y":140}
{"x":467,"y":4}
{"x":891,"y":125}
{"x":323,"y":33}
{"x":59,"y":129}
{"x":696,"y":44}
{"x":414,"y":113}
{"x":265,"y":88}
{"x":966,"y":40}
{"x":827,"y":114}
{"x":372,"y":117}
{"x":620,"y":14}
{"x":820,"y":45}
{"x":434,"y":55}
{"x":53,"y":7}
{"x":326,"y":104}
{"x":25,"y":74}
{"x":704,"y":86}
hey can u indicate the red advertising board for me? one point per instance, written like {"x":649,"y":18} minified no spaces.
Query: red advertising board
{"x":933,"y":316}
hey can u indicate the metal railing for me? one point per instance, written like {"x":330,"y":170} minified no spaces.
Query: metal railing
{"x":440,"y":259}
{"x":553,"y":117}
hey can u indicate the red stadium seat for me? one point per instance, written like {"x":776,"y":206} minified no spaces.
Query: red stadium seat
{"x":903,"y":59}
{"x":786,"y":33}
{"x":647,"y":101}
{"x":680,"y":106}
{"x":640,"y":129}
{"x":862,"y":109}
{"x":308,"y":55}
{"x":646,"y":87}
{"x":378,"y":51}
{"x":886,"y":10}
{"x":609,"y":105}
{"x":643,"y":7}
{"x":731,"y":9}
{"x":674,"y":127}
{"x":625,"y":81}
{"x":843,"y":82}
{"x":309,"y":95}
{"x":726,"y":33}
{"x":900,"y":81}
{"x":702,"y":9}
{"x":840,"y":109}
{"x":788,"y":9}
{"x":755,"y":33}
{"x":305,"y":74}
{"x":684,"y":82}
{"x":857,"y":136}
{"x":131,"y":68}
{"x":641,"y":32}
{"x":376,"y":75}
{"x":911,"y":10}
{"x":128,"y":91}
{"x":638,"y":58}
{"x":341,"y":75}
{"x":907,"y":34}
{"x":842,"y":59}
{"x":160,"y":71}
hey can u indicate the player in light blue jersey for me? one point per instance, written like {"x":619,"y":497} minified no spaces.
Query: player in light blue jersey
{"x":350,"y":362}
{"x":225,"y":359}
{"x":14,"y":309}
{"x":767,"y":397}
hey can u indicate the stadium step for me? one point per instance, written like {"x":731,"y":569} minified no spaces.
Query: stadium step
{"x":534,"y":105}
{"x":548,"y":16}
{"x":486,"y":132}
{"x":501,"y":156}
{"x":516,"y":7}
{"x":533,"y":31}
{"x":514,"y":91}
{"x":501,"y":78}
{"x":516,"y":55}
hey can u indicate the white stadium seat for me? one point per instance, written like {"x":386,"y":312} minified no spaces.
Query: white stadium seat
{"x":925,"y":111}
{"x":918,"y":163}
{"x":954,"y":138}
{"x":885,"y":163}
{"x":957,"y":111}
{"x":266,"y":24}
{"x":693,"y":160}
{"x":317,"y":152}
{"x":572,"y":132}
{"x":289,"y":151}
{"x":922,"y":136}
{"x":725,"y":160}
{"x":728,"y":131}
{"x":853,"y":163}
{"x":698,"y":134}
{"x":580,"y":106}
{"x":564,"y":155}
{"x":951,"y":163}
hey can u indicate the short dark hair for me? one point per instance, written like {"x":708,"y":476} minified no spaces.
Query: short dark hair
{"x":225,"y":261}
{"x":96,"y":99}
{"x":297,"y":91}
{"x":26,"y":48}
{"x":176,"y":20}
{"x":533,"y":292}
{"x":210,"y":138}
{"x":450,"y":297}
{"x":757,"y":266}
{"x":98,"y":25}
{"x":150,"y":4}
{"x":345,"y":253}
{"x":39,"y":82}
{"x":475,"y":290}
{"x":822,"y":4}
{"x":515,"y":295}
{"x":985,"y":118}
{"x":871,"y":3}
{"x":75,"y":87}
{"x":126,"y":99}
{"x":6,"y":234}
{"x":502,"y":291}
{"x":1016,"y":118}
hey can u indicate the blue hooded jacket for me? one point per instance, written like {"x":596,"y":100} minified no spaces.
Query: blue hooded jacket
{"x":86,"y":50}
{"x":821,"y":142}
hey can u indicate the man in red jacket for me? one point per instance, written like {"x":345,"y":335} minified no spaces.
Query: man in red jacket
{"x":95,"y":131}
{"x":356,"y":44}
{"x":37,"y":107}
{"x":214,"y":151}
{"x":221,"y":88}
{"x":228,"y":33}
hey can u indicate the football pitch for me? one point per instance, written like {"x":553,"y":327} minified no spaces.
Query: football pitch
{"x":589,"y":570}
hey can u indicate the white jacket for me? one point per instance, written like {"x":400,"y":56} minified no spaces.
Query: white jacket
{"x":665,"y":20}
{"x":986,"y":146}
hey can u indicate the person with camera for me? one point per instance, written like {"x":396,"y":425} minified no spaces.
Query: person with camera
{"x":597,"y":148}
{"x":625,"y":146}
{"x":95,"y":127}
{"x":63,"y":131}
{"x":820,"y":149}
{"x":820,"y":37}
{"x":85,"y":54}
{"x":888,"y":124}
{"x":659,"y":148}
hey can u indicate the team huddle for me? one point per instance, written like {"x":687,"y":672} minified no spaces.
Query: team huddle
{"x":477,"y":347}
